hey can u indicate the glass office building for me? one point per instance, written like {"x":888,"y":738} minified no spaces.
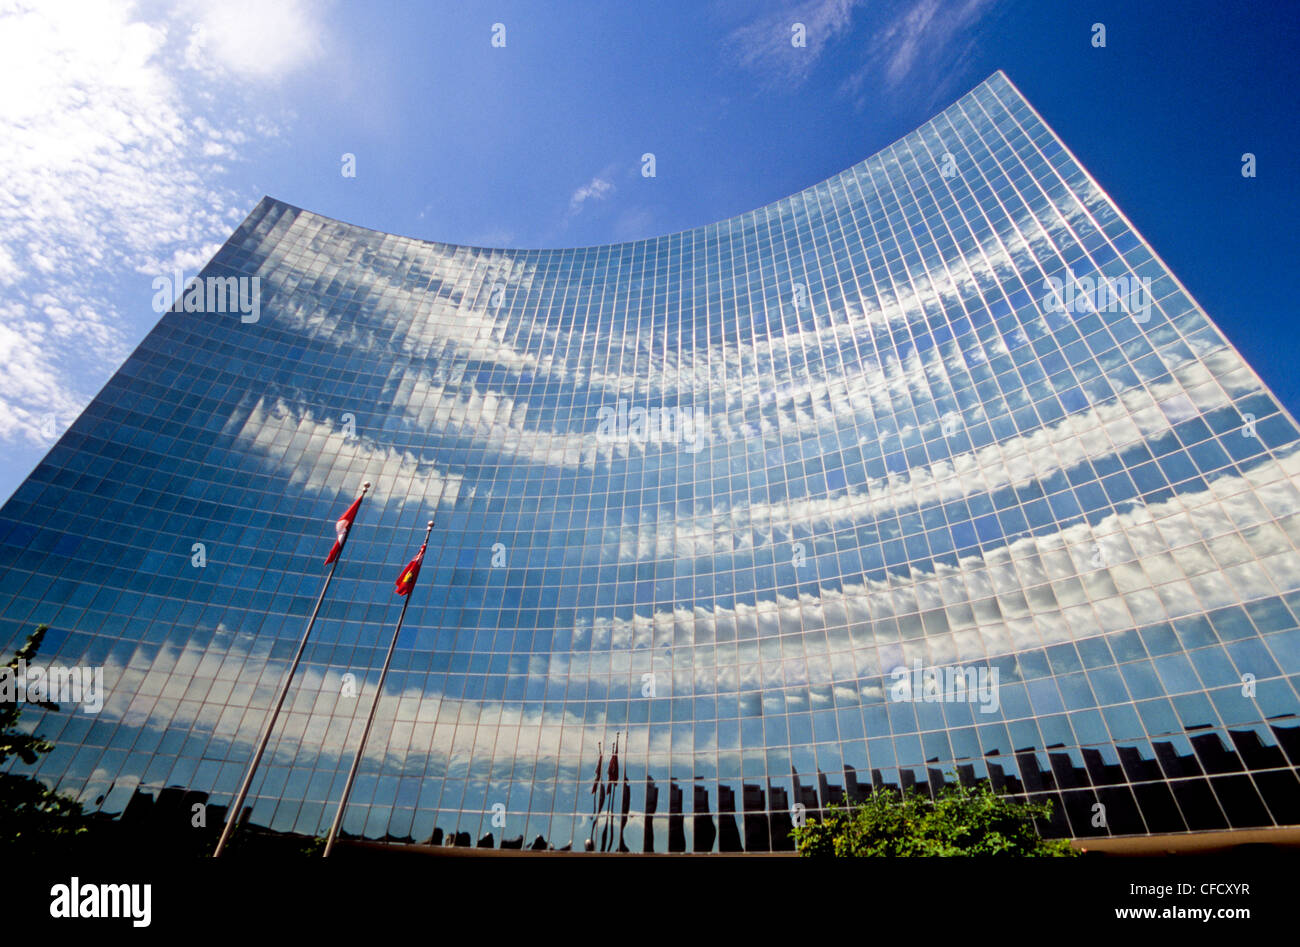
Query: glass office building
{"x":698,"y":499}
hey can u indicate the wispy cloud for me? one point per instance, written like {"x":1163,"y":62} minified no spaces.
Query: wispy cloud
{"x":597,"y":189}
{"x":902,"y":37}
{"x":767,"y":45}
{"x":934,"y":36}
{"x":115,"y":163}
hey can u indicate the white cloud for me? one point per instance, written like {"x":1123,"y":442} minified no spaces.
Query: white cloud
{"x":899,"y":38}
{"x":255,"y":39}
{"x":597,"y":189}
{"x":110,"y":170}
{"x":766,"y":45}
{"x":932,"y":34}
{"x":319,"y":456}
{"x":1103,"y":430}
{"x":36,"y":402}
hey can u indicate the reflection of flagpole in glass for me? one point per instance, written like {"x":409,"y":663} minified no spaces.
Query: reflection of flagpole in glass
{"x":597,"y":784}
{"x":405,"y":583}
{"x":627,"y":800}
{"x":342,"y":529}
{"x":604,"y":796}
{"x":607,"y":833}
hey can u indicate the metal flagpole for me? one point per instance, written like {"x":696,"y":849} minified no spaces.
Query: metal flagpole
{"x":370,"y":719}
{"x":232,"y":818}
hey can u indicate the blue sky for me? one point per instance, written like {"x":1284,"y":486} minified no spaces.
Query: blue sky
{"x":136,"y":136}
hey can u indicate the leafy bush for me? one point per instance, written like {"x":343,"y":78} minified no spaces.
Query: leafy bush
{"x":961,"y":821}
{"x":32,"y":818}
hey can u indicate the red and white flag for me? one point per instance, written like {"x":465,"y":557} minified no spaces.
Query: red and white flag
{"x":341,"y":529}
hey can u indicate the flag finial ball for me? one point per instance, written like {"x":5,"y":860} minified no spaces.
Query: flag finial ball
{"x":366,"y":485}
{"x":430,"y":524}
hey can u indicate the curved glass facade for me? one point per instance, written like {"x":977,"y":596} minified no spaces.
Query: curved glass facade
{"x":931,"y":471}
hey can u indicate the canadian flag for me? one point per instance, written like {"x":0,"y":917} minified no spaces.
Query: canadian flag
{"x":341,"y":529}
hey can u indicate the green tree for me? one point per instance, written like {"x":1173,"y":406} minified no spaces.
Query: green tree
{"x":32,"y":818}
{"x":962,"y":820}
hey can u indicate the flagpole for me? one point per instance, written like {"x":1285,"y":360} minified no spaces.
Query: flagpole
{"x":370,"y":719}
{"x":232,"y":817}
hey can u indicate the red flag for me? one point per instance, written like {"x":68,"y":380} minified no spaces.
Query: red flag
{"x":341,"y":529}
{"x":406,"y":581}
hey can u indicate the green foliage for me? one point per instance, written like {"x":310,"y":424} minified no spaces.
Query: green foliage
{"x":32,"y":818}
{"x":961,"y":821}
{"x":27,"y":747}
{"x":36,"y":820}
